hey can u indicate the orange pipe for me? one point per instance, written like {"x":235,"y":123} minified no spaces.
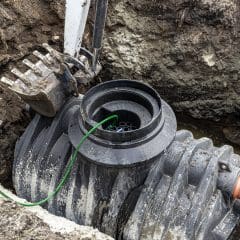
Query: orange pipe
{"x":236,"y":190}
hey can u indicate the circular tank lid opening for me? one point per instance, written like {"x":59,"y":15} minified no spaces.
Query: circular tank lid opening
{"x":127,"y":121}
{"x":145,"y":128}
{"x":137,"y":105}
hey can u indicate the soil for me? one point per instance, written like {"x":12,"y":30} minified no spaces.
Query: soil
{"x":18,"y":223}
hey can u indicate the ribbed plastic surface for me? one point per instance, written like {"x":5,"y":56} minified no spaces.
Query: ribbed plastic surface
{"x":179,"y":195}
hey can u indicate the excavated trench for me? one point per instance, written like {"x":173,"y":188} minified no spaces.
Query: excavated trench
{"x":188,"y":50}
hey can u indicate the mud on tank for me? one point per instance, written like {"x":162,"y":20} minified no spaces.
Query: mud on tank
{"x":138,"y":178}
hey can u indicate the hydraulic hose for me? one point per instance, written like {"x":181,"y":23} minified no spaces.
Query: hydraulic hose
{"x":99,"y":24}
{"x":67,"y":170}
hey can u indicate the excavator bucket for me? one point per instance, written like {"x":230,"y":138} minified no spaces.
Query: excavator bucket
{"x":38,"y":86}
{"x":47,"y":84}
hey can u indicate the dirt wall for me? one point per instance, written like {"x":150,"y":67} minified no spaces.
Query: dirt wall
{"x":188,"y":50}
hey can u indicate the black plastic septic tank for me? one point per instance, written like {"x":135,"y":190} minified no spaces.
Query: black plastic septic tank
{"x":135,"y":177}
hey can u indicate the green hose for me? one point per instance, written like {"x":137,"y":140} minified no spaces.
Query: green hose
{"x":67,"y":170}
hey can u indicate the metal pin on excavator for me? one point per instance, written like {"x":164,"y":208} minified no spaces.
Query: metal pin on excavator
{"x":48,"y":82}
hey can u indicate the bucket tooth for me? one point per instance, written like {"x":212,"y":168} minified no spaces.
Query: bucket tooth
{"x":49,"y":58}
{"x":55,"y":54}
{"x":43,"y":58}
{"x":7,"y":81}
{"x":21,"y":76}
{"x":31,"y":65}
{"x":44,"y":68}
